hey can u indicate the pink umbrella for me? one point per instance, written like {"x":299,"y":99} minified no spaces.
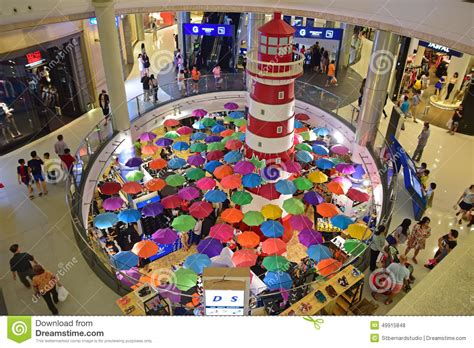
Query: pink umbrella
{"x":188,"y":193}
{"x":231,"y":106}
{"x":297,"y":139}
{"x":222,"y":232}
{"x":244,"y":167}
{"x":199,"y":113}
{"x":300,"y":222}
{"x":206,"y":184}
{"x":113,"y":203}
{"x":344,"y":181}
{"x":339,"y":149}
{"x":244,"y":258}
{"x":147,"y":136}
{"x":345,"y":168}
{"x":164,"y":236}
{"x":291,"y":167}
{"x":184,"y":130}
{"x":200,"y":210}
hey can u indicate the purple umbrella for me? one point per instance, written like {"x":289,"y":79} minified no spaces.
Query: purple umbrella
{"x":210,"y":246}
{"x":291,"y":167}
{"x":113,"y":203}
{"x":170,"y":292}
{"x":199,"y":113}
{"x":153,"y":209}
{"x":213,"y":139}
{"x":313,"y":198}
{"x":188,"y":193}
{"x":164,"y":236}
{"x":340,"y":149}
{"x":134,"y":162}
{"x":129,"y":277}
{"x":300,"y":222}
{"x":147,"y":136}
{"x":244,"y":167}
{"x":164,"y":142}
{"x":345,"y":168}
{"x":196,"y":160}
{"x":231,"y":106}
{"x":309,"y":237}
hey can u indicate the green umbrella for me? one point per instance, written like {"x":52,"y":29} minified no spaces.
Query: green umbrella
{"x":293,"y":206}
{"x":228,"y":119}
{"x":305,"y":135}
{"x":175,"y":180}
{"x":134,"y":175}
{"x":276,"y":263}
{"x":215,"y":146}
{"x":241,"y":198}
{"x":198,"y":147}
{"x":337,"y":160}
{"x":302,"y":183}
{"x":240,"y":122}
{"x":354,"y":246}
{"x":184,"y":223}
{"x":253,"y":218}
{"x":236,"y":135}
{"x":226,"y":139}
{"x":208,"y":122}
{"x":184,"y":279}
{"x":304,"y":147}
{"x":195,"y":173}
{"x":259,"y":164}
{"x":171,"y":135}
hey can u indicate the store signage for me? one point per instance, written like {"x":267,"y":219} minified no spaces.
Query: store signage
{"x":318,"y":33}
{"x":208,"y":29}
{"x":93,"y":21}
{"x":224,"y":302}
{"x":440,"y":48}
{"x":33,"y":57}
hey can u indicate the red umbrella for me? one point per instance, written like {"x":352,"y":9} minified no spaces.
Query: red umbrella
{"x":223,"y":171}
{"x":231,"y":181}
{"x":206,"y":184}
{"x":268,"y":191}
{"x":171,"y":123}
{"x":145,"y":249}
{"x":244,"y":258}
{"x":223,"y":232}
{"x":302,"y":117}
{"x":274,"y":246}
{"x":291,"y":167}
{"x":358,"y":195}
{"x":171,"y":202}
{"x":110,"y":188}
{"x":233,"y":144}
{"x":232,"y":215}
{"x":184,"y":130}
{"x":214,"y":155}
{"x":155,"y":184}
{"x":157,"y":164}
{"x":248,"y":239}
{"x":327,"y":209}
{"x":200,"y":210}
{"x":132,"y":188}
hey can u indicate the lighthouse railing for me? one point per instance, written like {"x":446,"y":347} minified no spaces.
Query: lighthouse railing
{"x":275,"y":68}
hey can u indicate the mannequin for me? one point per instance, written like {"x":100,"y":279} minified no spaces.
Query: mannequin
{"x":451,"y":84}
{"x":9,"y":124}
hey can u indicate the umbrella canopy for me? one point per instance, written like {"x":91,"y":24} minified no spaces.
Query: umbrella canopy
{"x":175,"y":180}
{"x":274,"y":246}
{"x":199,"y":113}
{"x":226,"y":133}
{"x":129,"y":216}
{"x":110,"y":188}
{"x":184,"y":279}
{"x":336,"y":187}
{"x":341,"y":221}
{"x":147,"y":136}
{"x":339,"y":149}
{"x":105,"y":220}
{"x":253,"y":218}
{"x":155,"y":184}
{"x":359,"y":231}
{"x":313,"y":198}
{"x":212,"y":165}
{"x":248,"y":239}
{"x":272,"y":229}
{"x":129,"y":277}
{"x":321,"y":132}
{"x":208,"y":122}
{"x":278,"y":280}
{"x":293,"y":206}
{"x":171,"y":135}
{"x":231,"y":182}
{"x":210,"y":246}
{"x":163,"y":142}
{"x":199,"y":125}
{"x":240,"y":123}
{"x":183,"y":223}
{"x":244,"y":167}
{"x":171,"y":202}
{"x":185,"y":130}
{"x":206,"y":184}
{"x":359,"y":172}
{"x":358,"y":195}
{"x":134,"y":175}
{"x":198,"y":136}
{"x":170,"y":292}
{"x":327,"y":210}
{"x":113,"y":203}
{"x":149,"y":149}
{"x":251,"y":180}
{"x":132,"y":188}
{"x":198,"y":147}
{"x":232,"y":215}
{"x":325,"y":163}
{"x":328,"y":267}
{"x":244,"y":258}
{"x":157,"y":164}
{"x":317,"y":177}
{"x":345,"y":168}
{"x":197,"y":262}
{"x":292,"y":167}
{"x":200,"y":210}
{"x":217,"y":128}
{"x":176,"y":163}
{"x":213,"y":139}
{"x":215,"y":155}
{"x":181,"y":146}
{"x":318,"y":252}
{"x":276,"y":263}
{"x":354,"y":246}
{"x":233,"y":156}
{"x":300,"y":222}
{"x":303,"y":184}
{"x":344,"y":181}
{"x":271,"y":211}
{"x":222,"y":232}
{"x":268,"y":191}
{"x":304,"y":147}
{"x":216,"y":147}
{"x":236,"y":115}
{"x":223,"y":171}
{"x":285,"y":187}
{"x":215,"y":196}
{"x":165,"y":236}
{"x":134,"y":162}
{"x":171,"y":123}
{"x":320,"y":150}
{"x":302,"y":117}
{"x":241,"y":198}
{"x":309,"y":237}
{"x":304,"y":156}
{"x":194,"y":173}
{"x":124,"y":260}
{"x":233,"y":144}
{"x":231,"y":106}
{"x":153,"y":209}
{"x":145,"y":249}
{"x":299,"y":125}
{"x":189,"y":193}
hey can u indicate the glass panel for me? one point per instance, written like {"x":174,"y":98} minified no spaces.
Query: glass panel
{"x":282,"y":50}
{"x":273,"y":41}
{"x":272,"y":50}
{"x":263,"y":39}
{"x":263,"y":49}
{"x":283,"y":41}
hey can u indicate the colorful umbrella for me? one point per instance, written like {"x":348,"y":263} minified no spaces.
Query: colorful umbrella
{"x":354,"y":246}
{"x":318,"y":252}
{"x":317,"y":177}
{"x":134,"y":162}
{"x":212,"y":165}
{"x":183,"y":223}
{"x":233,"y":156}
{"x":197,"y":262}
{"x":157,"y":164}
{"x":185,"y":130}
{"x":240,"y":122}
{"x":304,"y":156}
{"x":300,"y":222}
{"x":231,"y":106}
{"x":299,"y":125}
{"x":297,"y":138}
{"x":359,"y":231}
{"x":194,"y":173}
{"x":232,"y":215}
{"x":268,"y":191}
{"x":223,"y":171}
{"x":270,"y":173}
{"x":155,"y":184}
{"x":198,"y":136}
{"x":199,"y":125}
{"x":222,"y":232}
{"x":320,"y":150}
{"x":276,"y":263}
{"x":216,"y":147}
{"x":184,"y":279}
{"x":328,"y":267}
{"x":231,"y":182}
{"x":358,"y":195}
{"x":309,"y":237}
{"x":272,"y":229}
{"x":176,"y":163}
{"x":181,"y":146}
{"x":200,"y":210}
{"x":171,"y":123}
{"x":129,"y":216}
{"x":132,"y":188}
{"x":226,"y":133}
{"x":274,"y":246}
{"x":124,"y":260}
{"x":105,"y":220}
{"x":271,"y":211}
{"x":346,"y":183}
{"x":134,"y":175}
{"x":215,"y":155}
{"x":278,"y":280}
{"x":236,"y":115}
{"x":163,"y":142}
{"x":293,"y":206}
{"x":244,"y":258}
{"x":170,"y":292}
{"x":339,"y":149}
{"x":165,"y":236}
{"x":145,"y":249}
{"x":175,"y":180}
{"x":341,"y":221}
{"x":248,"y":239}
{"x":253,"y":218}
{"x":113,"y":203}
{"x":128,"y":277}
{"x":251,"y":180}
{"x":171,"y":135}
{"x":215,"y":196}
{"x":210,"y":246}
{"x":198,"y":147}
{"x":153,"y":209}
{"x":110,"y":188}
{"x":345,"y":168}
{"x":213,"y":139}
{"x":188,"y":193}
{"x":285,"y":187}
{"x":233,"y":144}
{"x":321,"y":132}
{"x":327,"y":209}
{"x":241,"y":198}
{"x":336,"y":187}
{"x":209,"y":122}
{"x":325,"y":163}
{"x":304,"y":147}
{"x":199,"y":113}
{"x":217,"y":128}
{"x":313,"y":198}
{"x":302,"y":117}
{"x":292,"y":167}
{"x":171,"y":202}
{"x":302,"y":183}
{"x":149,"y":149}
{"x":147,"y":136}
{"x":206,"y":184}
{"x":244,"y":167}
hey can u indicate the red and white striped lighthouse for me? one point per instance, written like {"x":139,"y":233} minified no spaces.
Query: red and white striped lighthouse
{"x":272,"y":72}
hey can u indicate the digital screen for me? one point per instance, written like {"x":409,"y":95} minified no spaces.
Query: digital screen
{"x":298,"y":21}
{"x":440,"y":48}
{"x":318,"y":33}
{"x":224,"y":302}
{"x":208,"y":29}
{"x":33,"y":57}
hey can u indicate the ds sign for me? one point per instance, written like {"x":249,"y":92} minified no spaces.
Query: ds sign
{"x":224,"y":302}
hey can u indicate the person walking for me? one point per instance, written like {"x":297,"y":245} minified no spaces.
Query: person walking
{"x":418,"y":236}
{"x":146,"y":87}
{"x":49,"y":170}
{"x":44,"y":283}
{"x":181,"y":78}
{"x":146,"y":62}
{"x":331,"y":77}
{"x":195,"y":75}
{"x":376,"y":246}
{"x":457,"y":117}
{"x":217,"y":76}
{"x":465,"y":202}
{"x":104,"y":103}
{"x":60,"y":145}
{"x":141,"y":66}
{"x":68,"y":161}
{"x":405,"y":106}
{"x":154,"y":88}
{"x":24,"y":177}
{"x":445,"y":245}
{"x":422,"y":141}
{"x":415,"y":101}
{"x":316,"y":58}
{"x":400,"y":234}
{"x":20,"y":265}
{"x":34,"y":166}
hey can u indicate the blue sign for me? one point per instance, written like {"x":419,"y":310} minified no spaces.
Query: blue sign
{"x":93,"y":21}
{"x":318,"y":33}
{"x":440,"y":48}
{"x":208,"y":29}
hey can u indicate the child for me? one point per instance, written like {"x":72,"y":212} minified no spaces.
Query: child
{"x":68,"y":160}
{"x":24,"y":177}
{"x":430,"y":195}
{"x":421,"y":170}
{"x":48,"y":166}
{"x":424,"y":178}
{"x":405,"y":106}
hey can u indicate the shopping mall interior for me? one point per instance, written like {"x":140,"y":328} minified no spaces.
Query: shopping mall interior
{"x":262,"y":159}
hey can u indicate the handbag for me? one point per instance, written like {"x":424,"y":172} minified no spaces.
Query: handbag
{"x":62,"y":293}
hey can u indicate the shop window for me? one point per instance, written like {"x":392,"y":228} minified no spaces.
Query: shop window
{"x":272,"y":50}
{"x":273,"y":41}
{"x":283,"y":41}
{"x":281,"y":95}
{"x":279,"y":129}
{"x":263,"y":49}
{"x":263,"y":39}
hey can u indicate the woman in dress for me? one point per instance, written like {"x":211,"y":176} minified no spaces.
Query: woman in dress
{"x":418,"y":236}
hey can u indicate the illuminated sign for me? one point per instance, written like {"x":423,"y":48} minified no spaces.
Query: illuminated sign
{"x":208,"y":29}
{"x":93,"y":21}
{"x":224,"y":302}
{"x":318,"y":33}
{"x":33,"y":57}
{"x":440,"y":48}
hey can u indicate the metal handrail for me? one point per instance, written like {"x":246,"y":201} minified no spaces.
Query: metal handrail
{"x":275,"y":69}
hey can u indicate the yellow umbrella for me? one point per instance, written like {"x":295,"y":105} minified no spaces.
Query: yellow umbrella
{"x":359,"y":231}
{"x":271,"y":211}
{"x":318,"y":177}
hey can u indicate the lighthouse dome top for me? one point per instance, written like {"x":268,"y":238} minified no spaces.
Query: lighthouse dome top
{"x":277,"y":27}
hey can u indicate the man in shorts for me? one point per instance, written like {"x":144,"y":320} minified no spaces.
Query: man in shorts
{"x":331,"y":78}
{"x":24,"y":177}
{"x":36,"y":170}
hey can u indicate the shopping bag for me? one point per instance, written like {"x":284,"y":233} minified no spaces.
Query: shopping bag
{"x":449,"y":124}
{"x":62,"y":293}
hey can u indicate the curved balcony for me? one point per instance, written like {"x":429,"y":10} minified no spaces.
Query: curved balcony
{"x":274,"y":70}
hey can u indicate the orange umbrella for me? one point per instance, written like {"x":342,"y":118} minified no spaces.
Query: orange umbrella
{"x":132,"y":188}
{"x":335,"y":187}
{"x":274,"y":246}
{"x":195,"y":301}
{"x":248,"y":239}
{"x":244,"y":258}
{"x":155,"y":184}
{"x":231,"y":181}
{"x":232,"y":215}
{"x":226,"y":133}
{"x":327,"y":209}
{"x":222,"y":171}
{"x":328,"y":267}
{"x":243,"y":128}
{"x":149,"y":149}
{"x":145,"y":249}
{"x":158,"y":164}
{"x":301,"y":130}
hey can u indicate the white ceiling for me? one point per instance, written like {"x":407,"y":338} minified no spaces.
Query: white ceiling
{"x":447,"y":22}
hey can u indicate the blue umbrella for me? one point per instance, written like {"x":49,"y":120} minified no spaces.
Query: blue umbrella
{"x":105,"y":220}
{"x":236,"y":115}
{"x":298,"y":124}
{"x":215,"y":196}
{"x":321,"y":132}
{"x":242,"y":137}
{"x":233,"y":157}
{"x":251,"y":180}
{"x":134,"y":162}
{"x":341,"y":221}
{"x":181,"y":146}
{"x":129,"y":215}
{"x":272,"y":229}
{"x":212,"y":165}
{"x":359,"y":172}
{"x":320,"y":150}
{"x":324,"y":163}
{"x":318,"y":252}
{"x":213,"y":139}
{"x":218,"y":128}
{"x":198,"y":125}
{"x":304,"y":156}
{"x":176,"y":163}
{"x":278,"y":280}
{"x":124,"y":260}
{"x":164,"y":142}
{"x":153,"y":209}
{"x":285,"y":187}
{"x":198,"y":136}
{"x":197,"y":262}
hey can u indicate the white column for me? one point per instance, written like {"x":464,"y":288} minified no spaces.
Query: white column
{"x":184,"y":41}
{"x":346,"y":45}
{"x":420,"y":52}
{"x":255,"y":21}
{"x":413,"y":46}
{"x":111,"y":58}
{"x":140,"y":28}
{"x":459,"y":65}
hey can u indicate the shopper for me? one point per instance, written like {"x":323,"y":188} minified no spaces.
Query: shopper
{"x":405,"y":106}
{"x":325,"y":61}
{"x":195,"y":75}
{"x":104,"y":103}
{"x":465,"y":202}
{"x":400,"y":234}
{"x":34,"y":166}
{"x":418,"y":236}
{"x":331,"y":77}
{"x":415,"y":101}
{"x":24,"y":177}
{"x":376,"y":246}
{"x":44,"y":283}
{"x":445,"y":245}
{"x":429,"y":195}
{"x":60,"y":145}
{"x":457,"y":117}
{"x":184,"y":237}
{"x":361,"y":92}
{"x":399,"y":276}
{"x":154,"y":88}
{"x":217,"y":76}
{"x":141,"y":67}
{"x":146,"y":87}
{"x":68,"y":161}
{"x":49,"y":168}
{"x":20,"y":264}
{"x":146,"y":63}
{"x":422,"y":141}
{"x":181,"y":78}
{"x":316,"y":58}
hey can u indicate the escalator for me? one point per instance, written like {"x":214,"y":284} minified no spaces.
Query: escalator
{"x":230,"y":44}
{"x":207,"y":43}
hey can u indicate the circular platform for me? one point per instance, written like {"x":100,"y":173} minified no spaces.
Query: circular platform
{"x":442,"y":104}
